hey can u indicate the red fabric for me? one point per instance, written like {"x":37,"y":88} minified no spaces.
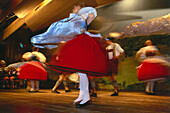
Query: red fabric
{"x":32,"y":70}
{"x":82,"y":54}
{"x":151,"y":70}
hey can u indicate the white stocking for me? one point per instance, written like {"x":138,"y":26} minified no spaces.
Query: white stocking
{"x":147,"y":86}
{"x":85,"y":87}
{"x":32,"y":85}
{"x":151,"y":85}
{"x":80,"y":97}
{"x":37,"y":85}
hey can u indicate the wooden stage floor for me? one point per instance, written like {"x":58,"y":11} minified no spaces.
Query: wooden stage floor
{"x":20,"y":101}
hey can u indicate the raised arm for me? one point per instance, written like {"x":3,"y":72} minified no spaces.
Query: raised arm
{"x":88,"y":13}
{"x":90,"y":18}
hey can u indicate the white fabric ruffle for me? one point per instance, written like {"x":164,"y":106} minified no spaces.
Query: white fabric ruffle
{"x":84,"y":12}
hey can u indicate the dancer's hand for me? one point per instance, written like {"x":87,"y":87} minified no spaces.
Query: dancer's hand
{"x":57,"y":58}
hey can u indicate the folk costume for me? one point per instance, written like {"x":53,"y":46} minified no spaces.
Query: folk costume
{"x":34,"y":69}
{"x":114,"y":51}
{"x":64,"y":30}
{"x":85,"y":55}
{"x":152,"y":67}
{"x":82,"y":53}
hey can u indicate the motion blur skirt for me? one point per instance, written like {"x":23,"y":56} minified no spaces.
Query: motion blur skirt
{"x":32,"y":70}
{"x":82,"y":54}
{"x":153,"y":68}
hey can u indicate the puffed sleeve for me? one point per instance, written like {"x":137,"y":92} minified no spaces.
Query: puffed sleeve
{"x":84,"y":12}
{"x":118,"y":48}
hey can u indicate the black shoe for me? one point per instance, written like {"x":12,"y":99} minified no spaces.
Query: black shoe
{"x":31,"y":91}
{"x":81,"y":105}
{"x":93,"y":95}
{"x":55,"y":91}
{"x":67,"y":91}
{"x":36,"y":91}
{"x":147,"y":93}
{"x":150,"y":93}
{"x":114,"y":94}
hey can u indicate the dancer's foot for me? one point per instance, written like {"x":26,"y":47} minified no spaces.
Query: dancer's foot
{"x":37,"y":90}
{"x":115,"y":94}
{"x":150,"y":93}
{"x":147,"y":92}
{"x":31,"y":90}
{"x":84,"y":100}
{"x":78,"y":100}
{"x":83,"y":104}
{"x":67,"y":91}
{"x":55,"y":91}
{"x":28,"y":88}
{"x":93,"y":95}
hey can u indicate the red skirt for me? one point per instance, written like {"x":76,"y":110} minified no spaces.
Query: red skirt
{"x":83,"y":54}
{"x":153,"y":68}
{"x":32,"y":70}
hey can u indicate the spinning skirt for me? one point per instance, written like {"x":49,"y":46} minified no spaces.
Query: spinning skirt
{"x":153,"y":68}
{"x":82,"y":54}
{"x":32,"y":70}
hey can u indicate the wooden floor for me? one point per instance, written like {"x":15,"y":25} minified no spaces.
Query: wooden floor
{"x":20,"y":101}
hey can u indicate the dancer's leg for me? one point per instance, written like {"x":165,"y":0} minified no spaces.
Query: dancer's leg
{"x":93,"y":87}
{"x":65,"y":83}
{"x":32,"y":85}
{"x":85,"y":86}
{"x":28,"y":88}
{"x":114,"y":82}
{"x":37,"y":85}
{"x":58,"y":82}
{"x":147,"y":87}
{"x":152,"y":86}
{"x":80,"y":97}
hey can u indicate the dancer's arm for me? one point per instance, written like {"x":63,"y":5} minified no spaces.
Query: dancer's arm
{"x":90,"y":18}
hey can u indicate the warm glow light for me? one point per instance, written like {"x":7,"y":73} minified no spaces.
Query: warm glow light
{"x":45,"y":2}
{"x":115,"y":34}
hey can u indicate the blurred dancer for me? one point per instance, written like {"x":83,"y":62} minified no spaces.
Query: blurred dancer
{"x":114,"y":53}
{"x":35,"y":55}
{"x":147,"y":51}
{"x":81,"y":55}
{"x":144,"y":53}
{"x":80,"y":51}
{"x":62,"y":78}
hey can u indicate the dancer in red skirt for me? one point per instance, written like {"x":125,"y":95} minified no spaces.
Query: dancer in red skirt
{"x":83,"y":53}
{"x":152,"y":66}
{"x":33,"y":70}
{"x":151,"y":70}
